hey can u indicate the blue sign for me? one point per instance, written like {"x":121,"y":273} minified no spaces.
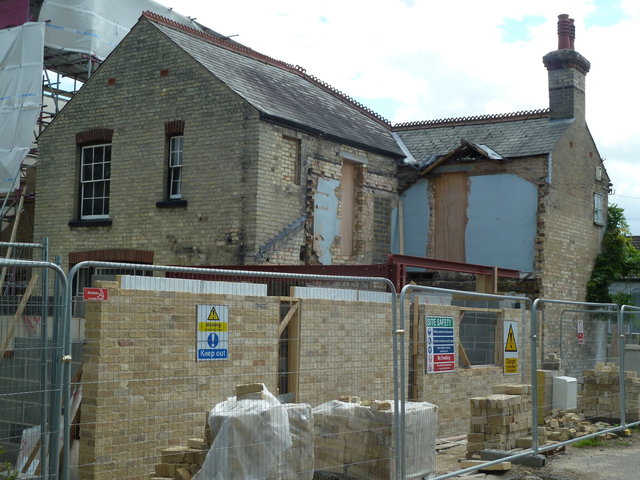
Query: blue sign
{"x":443,"y":349}
{"x":213,"y":340}
{"x":443,"y":340}
{"x":211,"y":353}
{"x":438,"y":332}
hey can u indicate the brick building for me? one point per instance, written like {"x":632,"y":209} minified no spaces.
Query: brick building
{"x":526,"y":190}
{"x":204,"y":152}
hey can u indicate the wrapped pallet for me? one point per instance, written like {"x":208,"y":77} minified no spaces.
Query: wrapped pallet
{"x":356,"y":439}
{"x":255,"y":437}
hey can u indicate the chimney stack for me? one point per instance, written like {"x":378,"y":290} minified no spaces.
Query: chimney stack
{"x":567,"y":71}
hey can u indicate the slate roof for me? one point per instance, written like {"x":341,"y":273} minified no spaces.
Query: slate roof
{"x":519,"y":134}
{"x":283,"y":93}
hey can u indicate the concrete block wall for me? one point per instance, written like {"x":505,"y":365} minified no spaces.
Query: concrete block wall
{"x":144,"y":391}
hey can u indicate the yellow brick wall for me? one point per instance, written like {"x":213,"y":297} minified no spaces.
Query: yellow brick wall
{"x":346,"y":349}
{"x":143,"y":389}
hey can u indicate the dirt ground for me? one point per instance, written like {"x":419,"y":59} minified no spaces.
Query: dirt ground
{"x":617,"y":459}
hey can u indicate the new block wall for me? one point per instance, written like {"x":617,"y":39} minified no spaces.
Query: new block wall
{"x":346,"y":348}
{"x":143,"y":389}
{"x":451,"y":391}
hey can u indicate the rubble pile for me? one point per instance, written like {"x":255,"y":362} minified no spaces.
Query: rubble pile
{"x":562,"y":426}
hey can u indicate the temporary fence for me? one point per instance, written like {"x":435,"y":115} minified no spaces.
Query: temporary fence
{"x":170,"y":371}
{"x":457,"y":359}
{"x":31,"y":336}
{"x":166,"y":360}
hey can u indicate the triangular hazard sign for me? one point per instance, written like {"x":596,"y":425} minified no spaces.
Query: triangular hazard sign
{"x":213,"y":315}
{"x":511,"y":341}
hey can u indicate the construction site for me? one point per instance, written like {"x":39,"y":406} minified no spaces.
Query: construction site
{"x":341,"y":326}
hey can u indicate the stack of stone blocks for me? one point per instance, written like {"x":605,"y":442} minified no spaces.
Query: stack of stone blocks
{"x":500,"y":419}
{"x":295,"y":463}
{"x":355,"y":438}
{"x":601,"y":393}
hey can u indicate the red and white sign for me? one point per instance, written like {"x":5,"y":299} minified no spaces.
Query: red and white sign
{"x":95,"y":294}
{"x":444,"y":367}
{"x":580,"y":332}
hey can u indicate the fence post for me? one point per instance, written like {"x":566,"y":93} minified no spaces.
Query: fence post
{"x":44,"y":357}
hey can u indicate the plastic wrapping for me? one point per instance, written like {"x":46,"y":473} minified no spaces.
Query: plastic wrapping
{"x":95,"y":27}
{"x":258,"y":439}
{"x":357,"y":440}
{"x":21,"y":60}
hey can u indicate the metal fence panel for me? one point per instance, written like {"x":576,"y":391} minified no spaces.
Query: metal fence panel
{"x":166,"y":362}
{"x":31,"y":335}
{"x":457,"y":360}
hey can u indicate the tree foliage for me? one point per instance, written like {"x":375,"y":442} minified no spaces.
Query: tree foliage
{"x":619,"y":258}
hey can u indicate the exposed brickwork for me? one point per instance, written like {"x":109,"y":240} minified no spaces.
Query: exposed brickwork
{"x":94,"y":135}
{"x":245,"y":181}
{"x":382,"y":205}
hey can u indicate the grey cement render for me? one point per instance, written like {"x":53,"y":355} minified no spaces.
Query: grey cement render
{"x":501,"y":224}
{"x":415,"y":206}
{"x":325,"y":220}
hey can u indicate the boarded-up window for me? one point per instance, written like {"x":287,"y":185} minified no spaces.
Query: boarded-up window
{"x":450,"y":217}
{"x":292,"y":160}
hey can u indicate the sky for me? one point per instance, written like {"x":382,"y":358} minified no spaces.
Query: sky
{"x":412,"y":60}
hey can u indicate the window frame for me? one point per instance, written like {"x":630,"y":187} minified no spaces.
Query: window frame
{"x":598,"y":209}
{"x":174,"y":169}
{"x":105,"y":180}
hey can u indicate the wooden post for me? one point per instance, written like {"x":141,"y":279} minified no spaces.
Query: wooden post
{"x":23,"y":303}
{"x":14,"y":233}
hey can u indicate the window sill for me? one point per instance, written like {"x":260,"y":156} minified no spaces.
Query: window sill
{"x":171,"y":204}
{"x":106,"y":222}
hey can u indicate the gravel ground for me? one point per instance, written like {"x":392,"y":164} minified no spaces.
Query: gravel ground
{"x":617,"y":459}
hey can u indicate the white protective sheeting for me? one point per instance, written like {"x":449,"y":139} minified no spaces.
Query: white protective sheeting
{"x":257,"y":438}
{"x":357,"y":439}
{"x":21,"y":59}
{"x":95,"y":27}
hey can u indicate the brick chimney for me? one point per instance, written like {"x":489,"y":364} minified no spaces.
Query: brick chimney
{"x":567,"y":71}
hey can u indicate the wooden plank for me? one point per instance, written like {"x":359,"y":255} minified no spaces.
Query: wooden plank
{"x":285,"y":321}
{"x":463,"y":355}
{"x":292,"y":320}
{"x":498,"y":467}
{"x":450,"y":216}
{"x":14,"y":233}
{"x":415,"y":339}
{"x":23,"y":303}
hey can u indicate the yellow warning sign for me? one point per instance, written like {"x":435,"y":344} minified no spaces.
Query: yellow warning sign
{"x":510,"y":344}
{"x":213,"y":315}
{"x":212,"y":327}
{"x":510,"y":365}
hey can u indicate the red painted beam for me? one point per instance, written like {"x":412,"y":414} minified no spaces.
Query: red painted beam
{"x":446,"y":265}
